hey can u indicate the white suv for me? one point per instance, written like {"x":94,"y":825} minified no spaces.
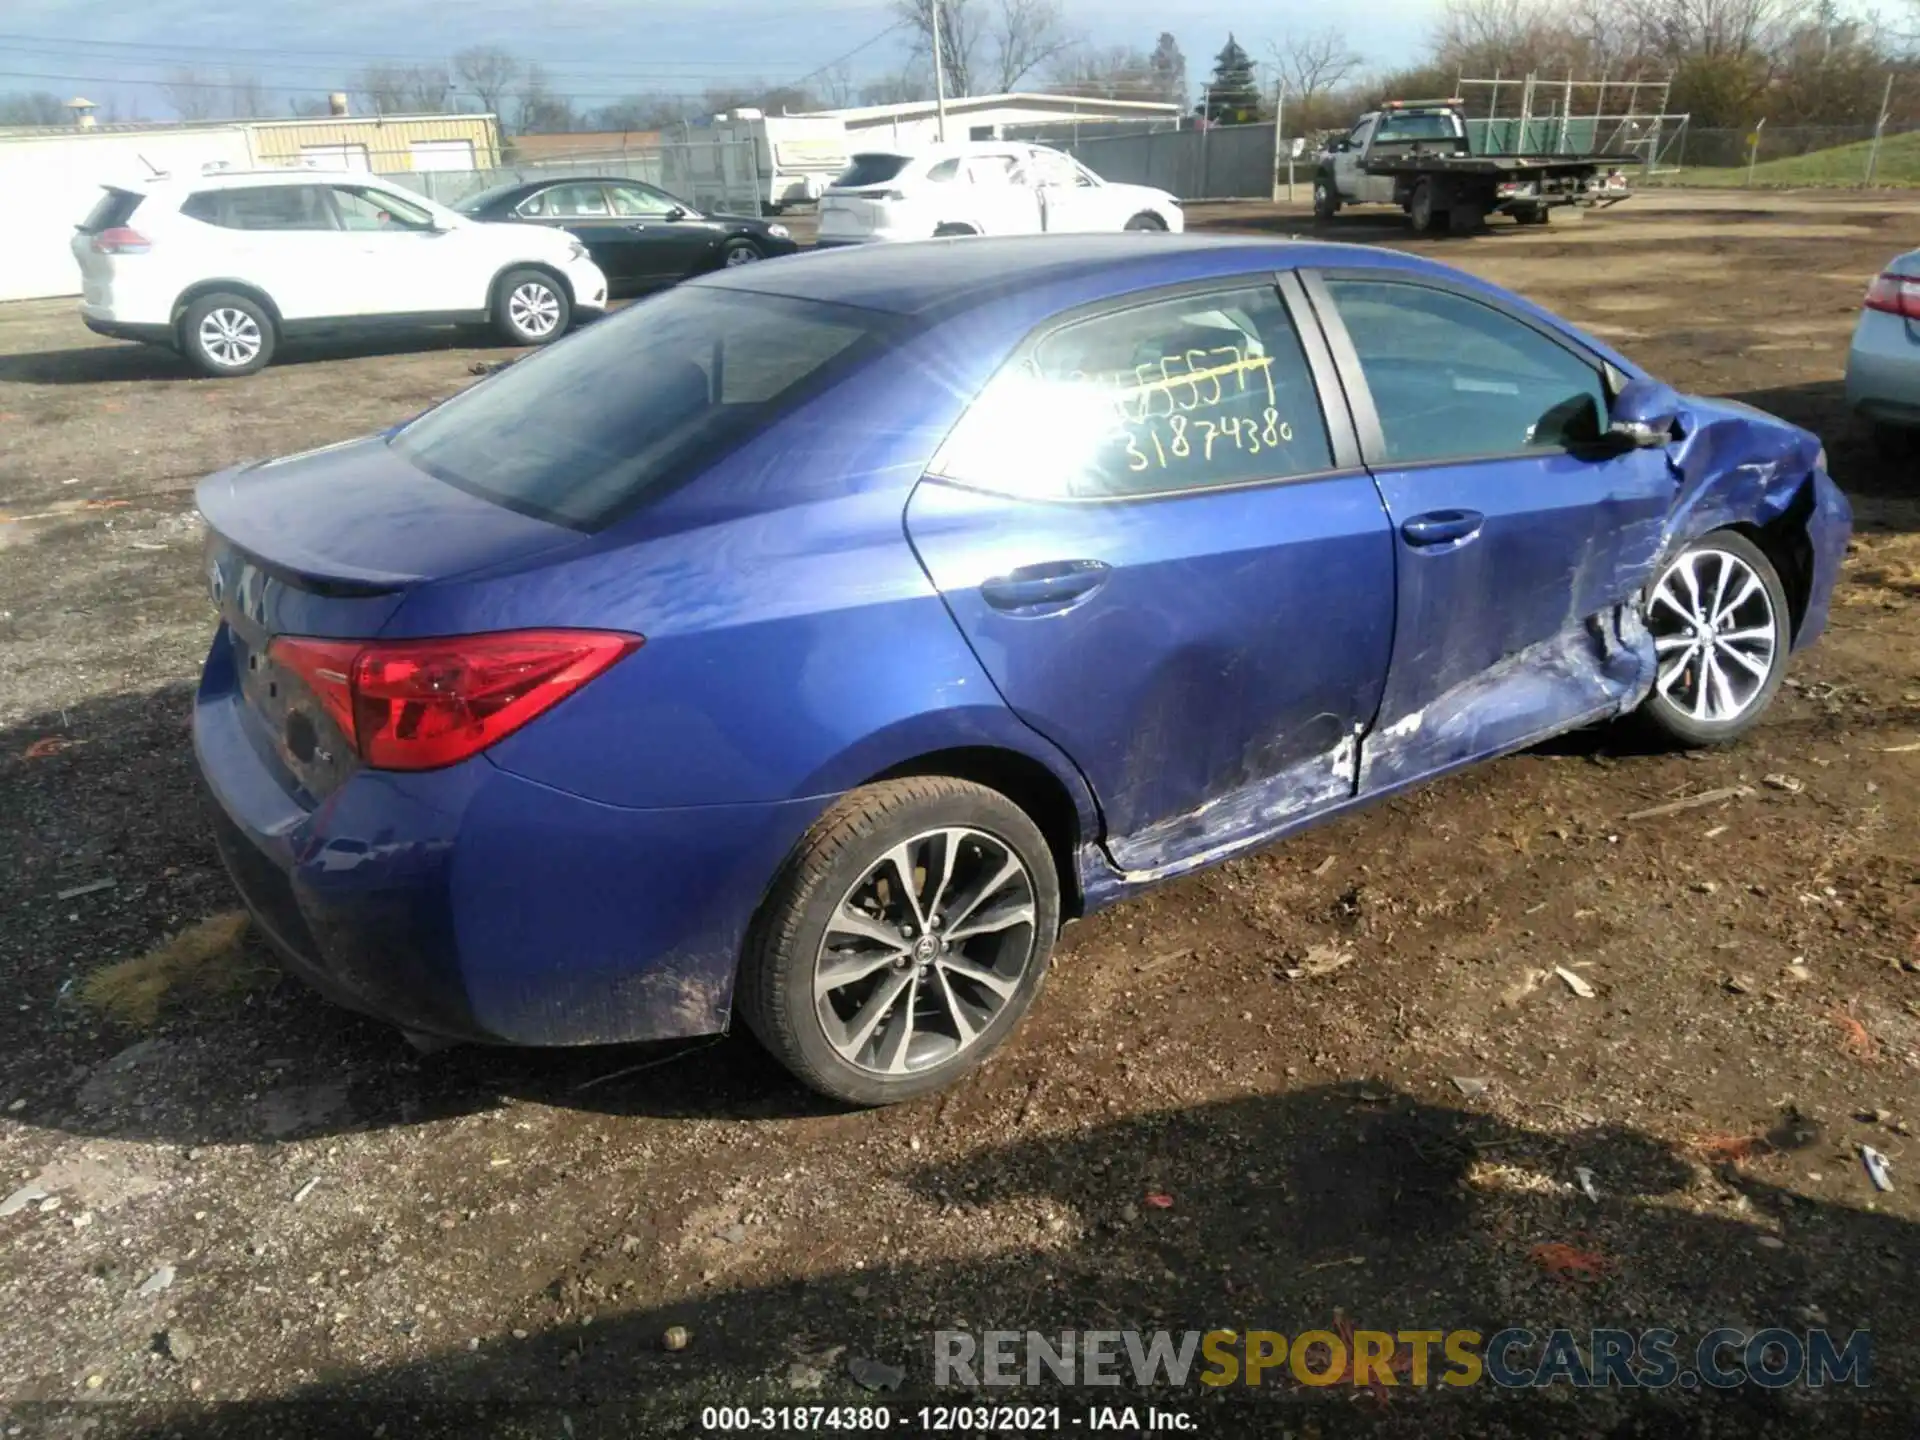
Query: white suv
{"x":982,"y":188}
{"x":224,"y":266}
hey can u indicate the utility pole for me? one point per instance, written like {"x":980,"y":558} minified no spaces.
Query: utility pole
{"x":939,"y":75}
{"x":1879,"y":129}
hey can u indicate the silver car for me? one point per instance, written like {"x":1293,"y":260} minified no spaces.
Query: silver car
{"x":1883,"y":367}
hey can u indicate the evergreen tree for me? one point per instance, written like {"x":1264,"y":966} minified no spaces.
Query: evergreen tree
{"x":1169,"y":71}
{"x":1233,"y":96}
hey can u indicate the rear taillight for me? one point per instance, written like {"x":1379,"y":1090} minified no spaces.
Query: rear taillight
{"x":1895,"y":294}
{"x":425,"y":704}
{"x":121,"y":240}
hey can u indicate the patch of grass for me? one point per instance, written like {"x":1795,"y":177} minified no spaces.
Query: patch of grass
{"x":204,"y":957}
{"x":1837,"y":167}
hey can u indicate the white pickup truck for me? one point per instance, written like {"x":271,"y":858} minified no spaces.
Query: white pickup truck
{"x":1416,"y":154}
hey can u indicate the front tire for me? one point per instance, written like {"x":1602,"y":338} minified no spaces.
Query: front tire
{"x":1326,"y":200}
{"x":739,"y":252}
{"x":225,"y":335}
{"x":902,"y":941}
{"x":1721,"y":630}
{"x":1145,"y":220}
{"x":530,"y":307}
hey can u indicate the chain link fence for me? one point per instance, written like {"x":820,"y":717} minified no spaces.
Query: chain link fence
{"x":1804,"y":155}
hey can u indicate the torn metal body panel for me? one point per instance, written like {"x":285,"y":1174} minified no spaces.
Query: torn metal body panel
{"x":1529,"y":628}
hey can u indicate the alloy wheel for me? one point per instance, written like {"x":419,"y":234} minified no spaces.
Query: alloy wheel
{"x":925,"y":950}
{"x":534,"y":310}
{"x":742,"y":255}
{"x":230,"y":338}
{"x":1715,"y":634}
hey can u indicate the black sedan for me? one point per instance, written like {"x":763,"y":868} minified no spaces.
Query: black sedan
{"x":643,"y":238}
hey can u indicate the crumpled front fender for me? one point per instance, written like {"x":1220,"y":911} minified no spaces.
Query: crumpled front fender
{"x":1736,"y":465}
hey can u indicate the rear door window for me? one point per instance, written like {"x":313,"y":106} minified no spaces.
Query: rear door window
{"x":262,"y":207}
{"x":1190,"y":393}
{"x":568,"y":202}
{"x":584,"y":432}
{"x":113,"y":209}
{"x":871,"y":170}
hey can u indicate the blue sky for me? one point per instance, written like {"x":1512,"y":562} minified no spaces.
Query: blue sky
{"x":594,"y":48}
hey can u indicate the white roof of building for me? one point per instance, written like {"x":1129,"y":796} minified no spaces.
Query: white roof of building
{"x":1016,"y":99}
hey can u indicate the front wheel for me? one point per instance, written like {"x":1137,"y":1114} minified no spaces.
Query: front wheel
{"x":1326,"y":200}
{"x":1146,"y":220}
{"x":739,"y":252}
{"x":530,"y":308}
{"x":1721,"y":629}
{"x":903,"y":940}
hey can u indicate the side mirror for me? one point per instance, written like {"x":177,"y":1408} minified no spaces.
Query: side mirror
{"x":678,"y":212}
{"x":1643,"y":413}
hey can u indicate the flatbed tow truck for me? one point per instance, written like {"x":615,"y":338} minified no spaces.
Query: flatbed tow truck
{"x":1416,"y":154}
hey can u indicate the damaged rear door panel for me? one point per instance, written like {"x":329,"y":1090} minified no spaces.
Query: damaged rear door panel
{"x":1522,"y":541}
{"x":1165,"y":553}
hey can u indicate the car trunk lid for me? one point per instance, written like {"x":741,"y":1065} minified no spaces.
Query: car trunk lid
{"x":327,"y":545}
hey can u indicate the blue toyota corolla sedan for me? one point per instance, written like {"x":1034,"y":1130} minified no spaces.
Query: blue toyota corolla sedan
{"x":809,"y":643}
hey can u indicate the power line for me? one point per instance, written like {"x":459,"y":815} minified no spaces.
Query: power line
{"x":61,"y":44}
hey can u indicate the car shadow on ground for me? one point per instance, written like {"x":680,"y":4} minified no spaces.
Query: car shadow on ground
{"x":1333,"y":1208}
{"x":219,"y":1047}
{"x":112,"y":364}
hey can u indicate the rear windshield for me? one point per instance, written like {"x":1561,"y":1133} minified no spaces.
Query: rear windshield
{"x":583,"y":432}
{"x":872,"y":170}
{"x":1430,"y":126}
{"x":114,"y":208}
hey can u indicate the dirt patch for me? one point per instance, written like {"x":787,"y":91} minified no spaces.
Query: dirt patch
{"x":1397,"y":1140}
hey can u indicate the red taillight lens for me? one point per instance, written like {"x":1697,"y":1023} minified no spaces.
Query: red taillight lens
{"x":121,"y":240}
{"x":1895,"y":294}
{"x":424,"y":704}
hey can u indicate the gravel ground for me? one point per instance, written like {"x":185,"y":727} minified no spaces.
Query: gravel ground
{"x":1348,"y":1063}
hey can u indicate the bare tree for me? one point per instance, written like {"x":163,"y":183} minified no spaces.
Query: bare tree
{"x":1026,"y":34}
{"x":406,"y":89}
{"x":191,"y":94}
{"x":907,"y":87}
{"x":836,"y":85}
{"x":537,"y":110}
{"x":1118,"y":72}
{"x":990,"y":42}
{"x":1313,"y":65}
{"x":488,"y":72}
{"x":960,"y":36}
{"x":243,"y":97}
{"x":36,"y":108}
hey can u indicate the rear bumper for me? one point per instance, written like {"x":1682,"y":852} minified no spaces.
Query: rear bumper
{"x":476,"y":905}
{"x":127,"y":330}
{"x":1883,"y":369}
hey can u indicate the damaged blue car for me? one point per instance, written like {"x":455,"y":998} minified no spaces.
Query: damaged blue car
{"x":807,"y":644}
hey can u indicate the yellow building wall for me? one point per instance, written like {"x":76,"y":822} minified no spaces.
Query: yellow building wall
{"x":388,"y":139}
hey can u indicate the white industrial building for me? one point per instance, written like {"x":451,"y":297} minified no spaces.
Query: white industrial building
{"x":992,"y":117}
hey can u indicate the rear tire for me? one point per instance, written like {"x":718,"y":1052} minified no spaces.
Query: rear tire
{"x":225,"y":335}
{"x":1744,"y":655}
{"x":949,"y":232}
{"x":833,"y":1014}
{"x":1421,"y":214}
{"x":530,"y":307}
{"x":1466,"y":218}
{"x":1146,"y":220}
